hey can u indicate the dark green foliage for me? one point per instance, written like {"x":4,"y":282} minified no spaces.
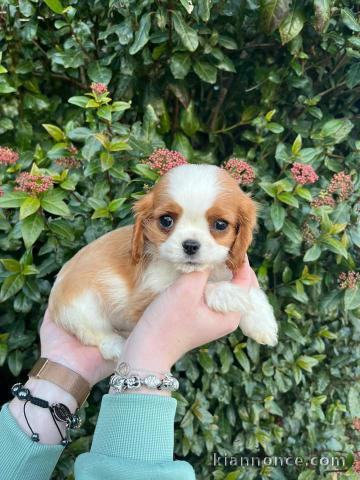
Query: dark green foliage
{"x":273,"y":82}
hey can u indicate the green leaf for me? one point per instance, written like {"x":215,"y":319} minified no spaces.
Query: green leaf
{"x":52,"y":202}
{"x":189,"y":121}
{"x":306,"y":363}
{"x":353,"y":75}
{"x":204,"y":7}
{"x":303,"y":193}
{"x":80,"y":101}
{"x":119,"y":146}
{"x":289,"y":199}
{"x":100,"y":213}
{"x":98,"y":73}
{"x":205,"y":71}
{"x":338,"y":129}
{"x":296,"y":146}
{"x":120,"y":106}
{"x":349,"y":19}
{"x":31,"y":229}
{"x":13,"y":199}
{"x":242,"y":358}
{"x":291,"y":26}
{"x":188,"y":5}
{"x":187,"y":35}
{"x":272,"y":13}
{"x":335,"y":246}
{"x":107,"y":161}
{"x":10,"y":286}
{"x":352,"y":298}
{"x":15,"y":360}
{"x":55,"y":132}
{"x":62,"y":229}
{"x":322,"y":14}
{"x":55,"y":5}
{"x":142,"y":35}
{"x":277,"y":214}
{"x":275,"y":127}
{"x":104,"y":112}
{"x":3,"y":353}
{"x":353,"y":400}
{"x":116,"y":204}
{"x":29,"y":206}
{"x":180,"y":64}
{"x":312,"y":254}
{"x":11,"y":265}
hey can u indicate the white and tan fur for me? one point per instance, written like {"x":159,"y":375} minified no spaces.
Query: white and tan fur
{"x":100,"y":294}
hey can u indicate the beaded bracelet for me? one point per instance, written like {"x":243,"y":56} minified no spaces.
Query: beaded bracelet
{"x":122,"y":380}
{"x":59,"y":413}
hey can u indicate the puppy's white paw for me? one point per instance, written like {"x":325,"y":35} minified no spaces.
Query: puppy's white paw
{"x":111,"y":346}
{"x":257,"y":319}
{"x":258,"y":322}
{"x":226,"y":297}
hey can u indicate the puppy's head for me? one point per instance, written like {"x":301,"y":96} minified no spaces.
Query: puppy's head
{"x":196,"y":216}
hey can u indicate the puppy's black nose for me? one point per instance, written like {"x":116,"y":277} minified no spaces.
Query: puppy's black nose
{"x":191,"y":246}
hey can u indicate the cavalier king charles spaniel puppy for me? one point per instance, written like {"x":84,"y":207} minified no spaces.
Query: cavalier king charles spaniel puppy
{"x":194,"y":218}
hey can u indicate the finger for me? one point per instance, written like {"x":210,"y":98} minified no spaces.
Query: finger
{"x":245,"y":276}
{"x":194,"y":280}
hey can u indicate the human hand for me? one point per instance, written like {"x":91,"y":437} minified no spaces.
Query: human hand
{"x":179,"y":320}
{"x":62,"y":347}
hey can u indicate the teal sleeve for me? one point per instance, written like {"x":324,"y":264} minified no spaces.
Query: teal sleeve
{"x":20,"y":457}
{"x":133,"y":440}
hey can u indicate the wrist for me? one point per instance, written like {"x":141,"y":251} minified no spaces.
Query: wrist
{"x":40,"y":418}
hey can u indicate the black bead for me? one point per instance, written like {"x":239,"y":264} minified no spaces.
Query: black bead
{"x":35,"y":437}
{"x":15,"y":388}
{"x":23,"y":394}
{"x":64,"y":442}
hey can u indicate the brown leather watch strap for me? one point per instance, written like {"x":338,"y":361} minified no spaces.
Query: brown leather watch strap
{"x":63,"y":377}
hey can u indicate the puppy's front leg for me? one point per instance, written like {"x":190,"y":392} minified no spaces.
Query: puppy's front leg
{"x":257,"y":319}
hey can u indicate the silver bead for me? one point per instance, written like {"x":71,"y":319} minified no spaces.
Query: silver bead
{"x":152,"y":381}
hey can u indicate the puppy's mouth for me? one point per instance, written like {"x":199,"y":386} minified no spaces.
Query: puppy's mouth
{"x":188,"y":267}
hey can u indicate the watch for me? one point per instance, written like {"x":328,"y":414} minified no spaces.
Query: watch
{"x":63,"y":377}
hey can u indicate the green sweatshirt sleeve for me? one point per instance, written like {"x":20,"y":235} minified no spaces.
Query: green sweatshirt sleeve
{"x":20,"y":457}
{"x":133,"y":439}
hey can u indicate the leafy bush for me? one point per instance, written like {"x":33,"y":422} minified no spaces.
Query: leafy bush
{"x":274,"y":83}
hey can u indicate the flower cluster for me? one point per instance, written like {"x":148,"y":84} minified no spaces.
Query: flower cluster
{"x":1,"y":192}
{"x":341,"y":183}
{"x":308,"y":235}
{"x":356,"y":464}
{"x":8,"y":156}
{"x":349,"y":279}
{"x":240,"y":170}
{"x":68,"y":162}
{"x":303,"y":174}
{"x":98,"y":88}
{"x":33,"y":183}
{"x":162,"y":160}
{"x":72,"y":149}
{"x":324,"y":198}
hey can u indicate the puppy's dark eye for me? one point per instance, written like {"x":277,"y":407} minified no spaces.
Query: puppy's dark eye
{"x":220,"y":224}
{"x":166,"y":221}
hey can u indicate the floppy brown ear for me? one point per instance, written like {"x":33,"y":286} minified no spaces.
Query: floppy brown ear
{"x":142,"y":212}
{"x":246,"y":225}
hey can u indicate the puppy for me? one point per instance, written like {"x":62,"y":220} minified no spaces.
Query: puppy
{"x":194,"y":218}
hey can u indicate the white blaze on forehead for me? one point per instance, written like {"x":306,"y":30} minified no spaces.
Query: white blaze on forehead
{"x":194,"y":187}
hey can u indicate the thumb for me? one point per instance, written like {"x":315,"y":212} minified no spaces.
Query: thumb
{"x":245,"y":276}
{"x":194,"y":280}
